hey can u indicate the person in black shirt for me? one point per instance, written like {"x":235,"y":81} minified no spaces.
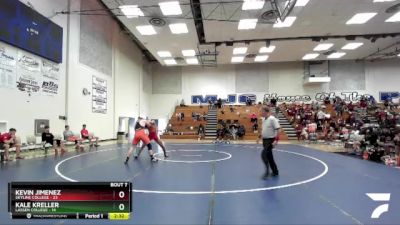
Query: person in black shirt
{"x":48,"y":138}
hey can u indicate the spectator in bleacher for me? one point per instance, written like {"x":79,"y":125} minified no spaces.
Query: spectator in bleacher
{"x":183,"y":103}
{"x":241,"y":131}
{"x":255,"y":126}
{"x":220,"y":132}
{"x":169,"y":129}
{"x":86,"y":135}
{"x":299,"y":129}
{"x":231,"y":108}
{"x":253,"y":117}
{"x":210,"y":104}
{"x":315,"y":105}
{"x":10,"y":140}
{"x":69,"y":136}
{"x":304,"y":134}
{"x":182,"y":116}
{"x":219,"y":103}
{"x":321,"y":116}
{"x":48,"y":138}
{"x":273,"y":102}
{"x":339,"y":108}
{"x":327,"y":101}
{"x":201,"y":131}
{"x":350,"y":107}
{"x":234,"y":131}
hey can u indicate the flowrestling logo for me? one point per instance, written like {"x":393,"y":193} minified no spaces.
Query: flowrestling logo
{"x":379,"y":197}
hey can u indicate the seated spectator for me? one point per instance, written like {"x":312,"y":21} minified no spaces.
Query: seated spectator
{"x":350,"y":107}
{"x":253,"y":118}
{"x":327,"y":101}
{"x":201,"y":131}
{"x":210,"y":104}
{"x":10,"y":140}
{"x":234,"y":132}
{"x":299,"y":129}
{"x":220,"y":132}
{"x":273,"y":102}
{"x":178,"y":116}
{"x":48,"y":138}
{"x":85,"y":135}
{"x":241,"y":131}
{"x":231,"y":108}
{"x":255,"y":126}
{"x":69,"y":136}
{"x":304,"y":134}
{"x":182,"y":116}
{"x":219,"y":103}
{"x":204,"y":116}
{"x":169,"y":129}
{"x":321,"y":116}
{"x":339,"y":109}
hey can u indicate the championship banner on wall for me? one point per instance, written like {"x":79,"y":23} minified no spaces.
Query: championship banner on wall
{"x":28,"y":73}
{"x":99,"y":95}
{"x":8,"y":62}
{"x":51,"y":77}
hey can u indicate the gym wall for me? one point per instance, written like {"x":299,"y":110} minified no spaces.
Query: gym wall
{"x":285,"y":79}
{"x":124,"y":80}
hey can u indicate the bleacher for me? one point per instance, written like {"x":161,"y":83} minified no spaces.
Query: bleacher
{"x":182,"y":129}
{"x":186,"y":129}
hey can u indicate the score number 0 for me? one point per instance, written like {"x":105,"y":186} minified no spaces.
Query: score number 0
{"x":121,"y":206}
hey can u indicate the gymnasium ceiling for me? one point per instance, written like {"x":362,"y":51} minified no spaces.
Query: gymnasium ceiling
{"x":318,"y":18}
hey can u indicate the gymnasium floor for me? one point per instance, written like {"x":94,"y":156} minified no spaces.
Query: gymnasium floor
{"x":221,"y":184}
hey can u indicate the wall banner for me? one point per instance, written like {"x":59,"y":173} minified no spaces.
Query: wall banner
{"x":8,"y":62}
{"x":99,"y":95}
{"x":28,"y":73}
{"x":51,"y":77}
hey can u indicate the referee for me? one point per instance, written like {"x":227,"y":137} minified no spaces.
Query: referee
{"x":270,"y":137}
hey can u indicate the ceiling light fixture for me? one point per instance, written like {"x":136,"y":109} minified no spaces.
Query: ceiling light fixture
{"x":239,"y":50}
{"x":352,"y":46}
{"x":146,"y":30}
{"x":170,"y":8}
{"x":336,"y":55}
{"x":247,"y":24}
{"x":267,"y":49}
{"x":253,"y":4}
{"x":131,"y":11}
{"x":178,"y":28}
{"x":237,"y":59}
{"x":189,"y":52}
{"x":323,"y":47}
{"x":393,"y":19}
{"x":310,"y":56}
{"x":192,"y":61}
{"x":288,"y":22}
{"x":261,"y":58}
{"x":170,"y":62}
{"x":164,"y":54}
{"x":361,"y":18}
{"x":301,"y":3}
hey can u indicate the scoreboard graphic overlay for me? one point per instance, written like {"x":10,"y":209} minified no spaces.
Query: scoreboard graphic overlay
{"x":65,"y":200}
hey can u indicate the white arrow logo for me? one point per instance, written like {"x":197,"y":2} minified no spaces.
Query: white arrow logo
{"x":379,"y":197}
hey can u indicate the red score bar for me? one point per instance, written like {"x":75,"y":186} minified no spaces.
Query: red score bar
{"x":83,"y":195}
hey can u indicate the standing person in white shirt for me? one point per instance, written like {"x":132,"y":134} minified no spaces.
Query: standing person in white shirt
{"x":270,"y":138}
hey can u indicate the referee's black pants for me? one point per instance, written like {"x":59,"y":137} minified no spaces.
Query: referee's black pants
{"x":268,"y":157}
